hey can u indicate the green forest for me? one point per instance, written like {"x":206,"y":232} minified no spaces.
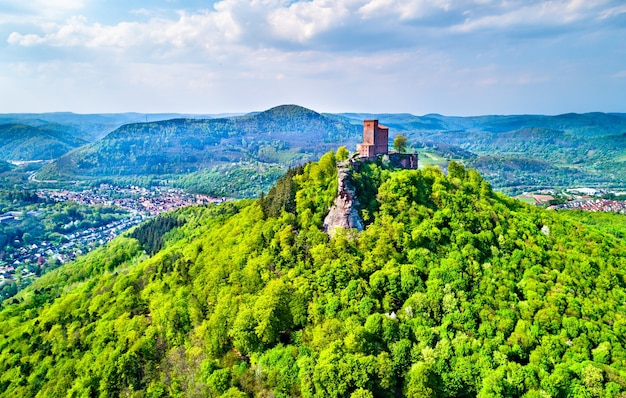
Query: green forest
{"x":24,"y":142}
{"x":534,"y":158}
{"x":451,"y":290}
{"x":203,"y":149}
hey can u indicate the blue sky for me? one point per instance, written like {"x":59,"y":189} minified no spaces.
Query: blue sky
{"x":454,"y":57}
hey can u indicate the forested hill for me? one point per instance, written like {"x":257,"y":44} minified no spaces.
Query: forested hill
{"x":5,"y":166}
{"x":451,"y":290}
{"x":89,"y":127}
{"x":581,"y":124}
{"x":24,"y":142}
{"x":283,"y":135}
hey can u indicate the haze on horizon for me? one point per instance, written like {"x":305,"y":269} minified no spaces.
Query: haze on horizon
{"x":454,"y":57}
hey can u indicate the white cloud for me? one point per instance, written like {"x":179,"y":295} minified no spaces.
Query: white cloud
{"x":304,"y":20}
{"x":417,"y":54}
{"x":190,"y":30}
{"x":228,"y":23}
{"x":41,"y":10}
{"x":78,"y":32}
{"x":143,"y":12}
{"x":268,"y":23}
{"x":613,"y":12}
{"x":538,"y":14}
{"x":25,"y":40}
{"x":415,"y":9}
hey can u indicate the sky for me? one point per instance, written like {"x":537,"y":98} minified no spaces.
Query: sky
{"x":453,"y":57}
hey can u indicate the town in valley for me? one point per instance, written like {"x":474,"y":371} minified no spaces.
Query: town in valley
{"x":23,"y":260}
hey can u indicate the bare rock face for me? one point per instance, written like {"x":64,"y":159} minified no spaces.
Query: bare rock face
{"x":343,"y":212}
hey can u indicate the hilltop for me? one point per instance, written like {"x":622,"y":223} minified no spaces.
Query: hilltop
{"x":282,"y":136}
{"x":89,"y":127}
{"x":48,"y":136}
{"x":24,"y":142}
{"x":450,"y":290}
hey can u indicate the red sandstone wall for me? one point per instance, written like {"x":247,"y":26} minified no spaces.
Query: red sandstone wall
{"x":382,"y":140}
{"x":369,"y":127}
{"x":376,"y":136}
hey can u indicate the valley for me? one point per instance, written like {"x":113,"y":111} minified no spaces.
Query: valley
{"x":52,"y":227}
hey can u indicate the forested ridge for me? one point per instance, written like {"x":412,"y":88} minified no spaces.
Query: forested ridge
{"x":24,"y":142}
{"x":452,"y":290}
{"x":285,"y":135}
{"x":240,"y":156}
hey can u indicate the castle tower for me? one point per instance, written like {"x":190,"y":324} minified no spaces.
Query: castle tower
{"x":375,"y":140}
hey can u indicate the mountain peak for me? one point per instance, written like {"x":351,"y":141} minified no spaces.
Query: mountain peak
{"x":289,"y":110}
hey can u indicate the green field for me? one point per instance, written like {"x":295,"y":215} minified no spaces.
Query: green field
{"x":621,"y":158}
{"x":430,"y":159}
{"x":530,"y":201}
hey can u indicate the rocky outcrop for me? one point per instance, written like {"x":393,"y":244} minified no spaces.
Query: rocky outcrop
{"x":343,"y":213}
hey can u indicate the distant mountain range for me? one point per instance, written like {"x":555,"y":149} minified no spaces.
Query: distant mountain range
{"x":574,"y":148}
{"x":524,"y":152}
{"x":24,"y":142}
{"x":285,"y":135}
{"x":92,"y":127}
{"x":587,"y":124}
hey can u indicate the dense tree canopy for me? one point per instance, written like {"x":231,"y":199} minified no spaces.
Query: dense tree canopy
{"x":451,"y":290}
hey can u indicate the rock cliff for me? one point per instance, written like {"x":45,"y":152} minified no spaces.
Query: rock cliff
{"x":343,"y":213}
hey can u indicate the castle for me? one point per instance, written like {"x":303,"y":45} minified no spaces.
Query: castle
{"x":376,"y":142}
{"x":343,"y":213}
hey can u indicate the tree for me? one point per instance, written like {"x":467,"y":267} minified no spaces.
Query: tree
{"x":399,"y":143}
{"x":342,"y":153}
{"x":28,"y":238}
